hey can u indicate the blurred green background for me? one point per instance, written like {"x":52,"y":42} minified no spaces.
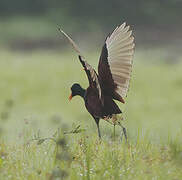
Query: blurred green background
{"x":37,"y":65}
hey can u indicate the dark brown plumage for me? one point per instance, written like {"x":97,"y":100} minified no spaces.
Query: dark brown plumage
{"x":112,"y":80}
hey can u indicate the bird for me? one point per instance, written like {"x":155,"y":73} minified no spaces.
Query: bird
{"x":113,"y":77}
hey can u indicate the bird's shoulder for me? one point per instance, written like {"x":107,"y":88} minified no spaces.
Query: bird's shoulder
{"x":92,"y":96}
{"x":91,"y":93}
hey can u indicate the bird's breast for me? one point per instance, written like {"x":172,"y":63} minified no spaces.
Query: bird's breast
{"x":93,"y":103}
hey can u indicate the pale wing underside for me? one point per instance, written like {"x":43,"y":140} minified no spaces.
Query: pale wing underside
{"x":74,"y":45}
{"x":120,"y":47}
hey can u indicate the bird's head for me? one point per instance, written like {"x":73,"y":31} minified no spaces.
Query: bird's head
{"x":76,"y":89}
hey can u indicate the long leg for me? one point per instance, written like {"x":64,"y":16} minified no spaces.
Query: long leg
{"x":124,"y":132}
{"x":114,"y":132}
{"x":97,"y":122}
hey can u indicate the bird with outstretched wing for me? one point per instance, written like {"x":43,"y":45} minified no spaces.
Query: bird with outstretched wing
{"x":114,"y":73}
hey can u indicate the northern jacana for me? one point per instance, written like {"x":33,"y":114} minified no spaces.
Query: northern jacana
{"x":114,"y":72}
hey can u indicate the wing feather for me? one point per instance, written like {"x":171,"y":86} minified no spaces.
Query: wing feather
{"x":120,"y":49}
{"x":116,"y":58}
{"x":92,"y":76}
{"x":91,"y":73}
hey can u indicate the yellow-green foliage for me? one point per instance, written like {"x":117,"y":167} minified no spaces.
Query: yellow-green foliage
{"x":35,"y":113}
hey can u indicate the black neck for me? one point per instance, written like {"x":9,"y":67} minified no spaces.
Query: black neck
{"x":82,"y":92}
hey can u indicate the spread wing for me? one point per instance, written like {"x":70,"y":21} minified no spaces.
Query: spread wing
{"x":91,"y":73}
{"x":115,"y":64}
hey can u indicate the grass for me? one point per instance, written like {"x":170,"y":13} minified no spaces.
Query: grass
{"x":34,"y":106}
